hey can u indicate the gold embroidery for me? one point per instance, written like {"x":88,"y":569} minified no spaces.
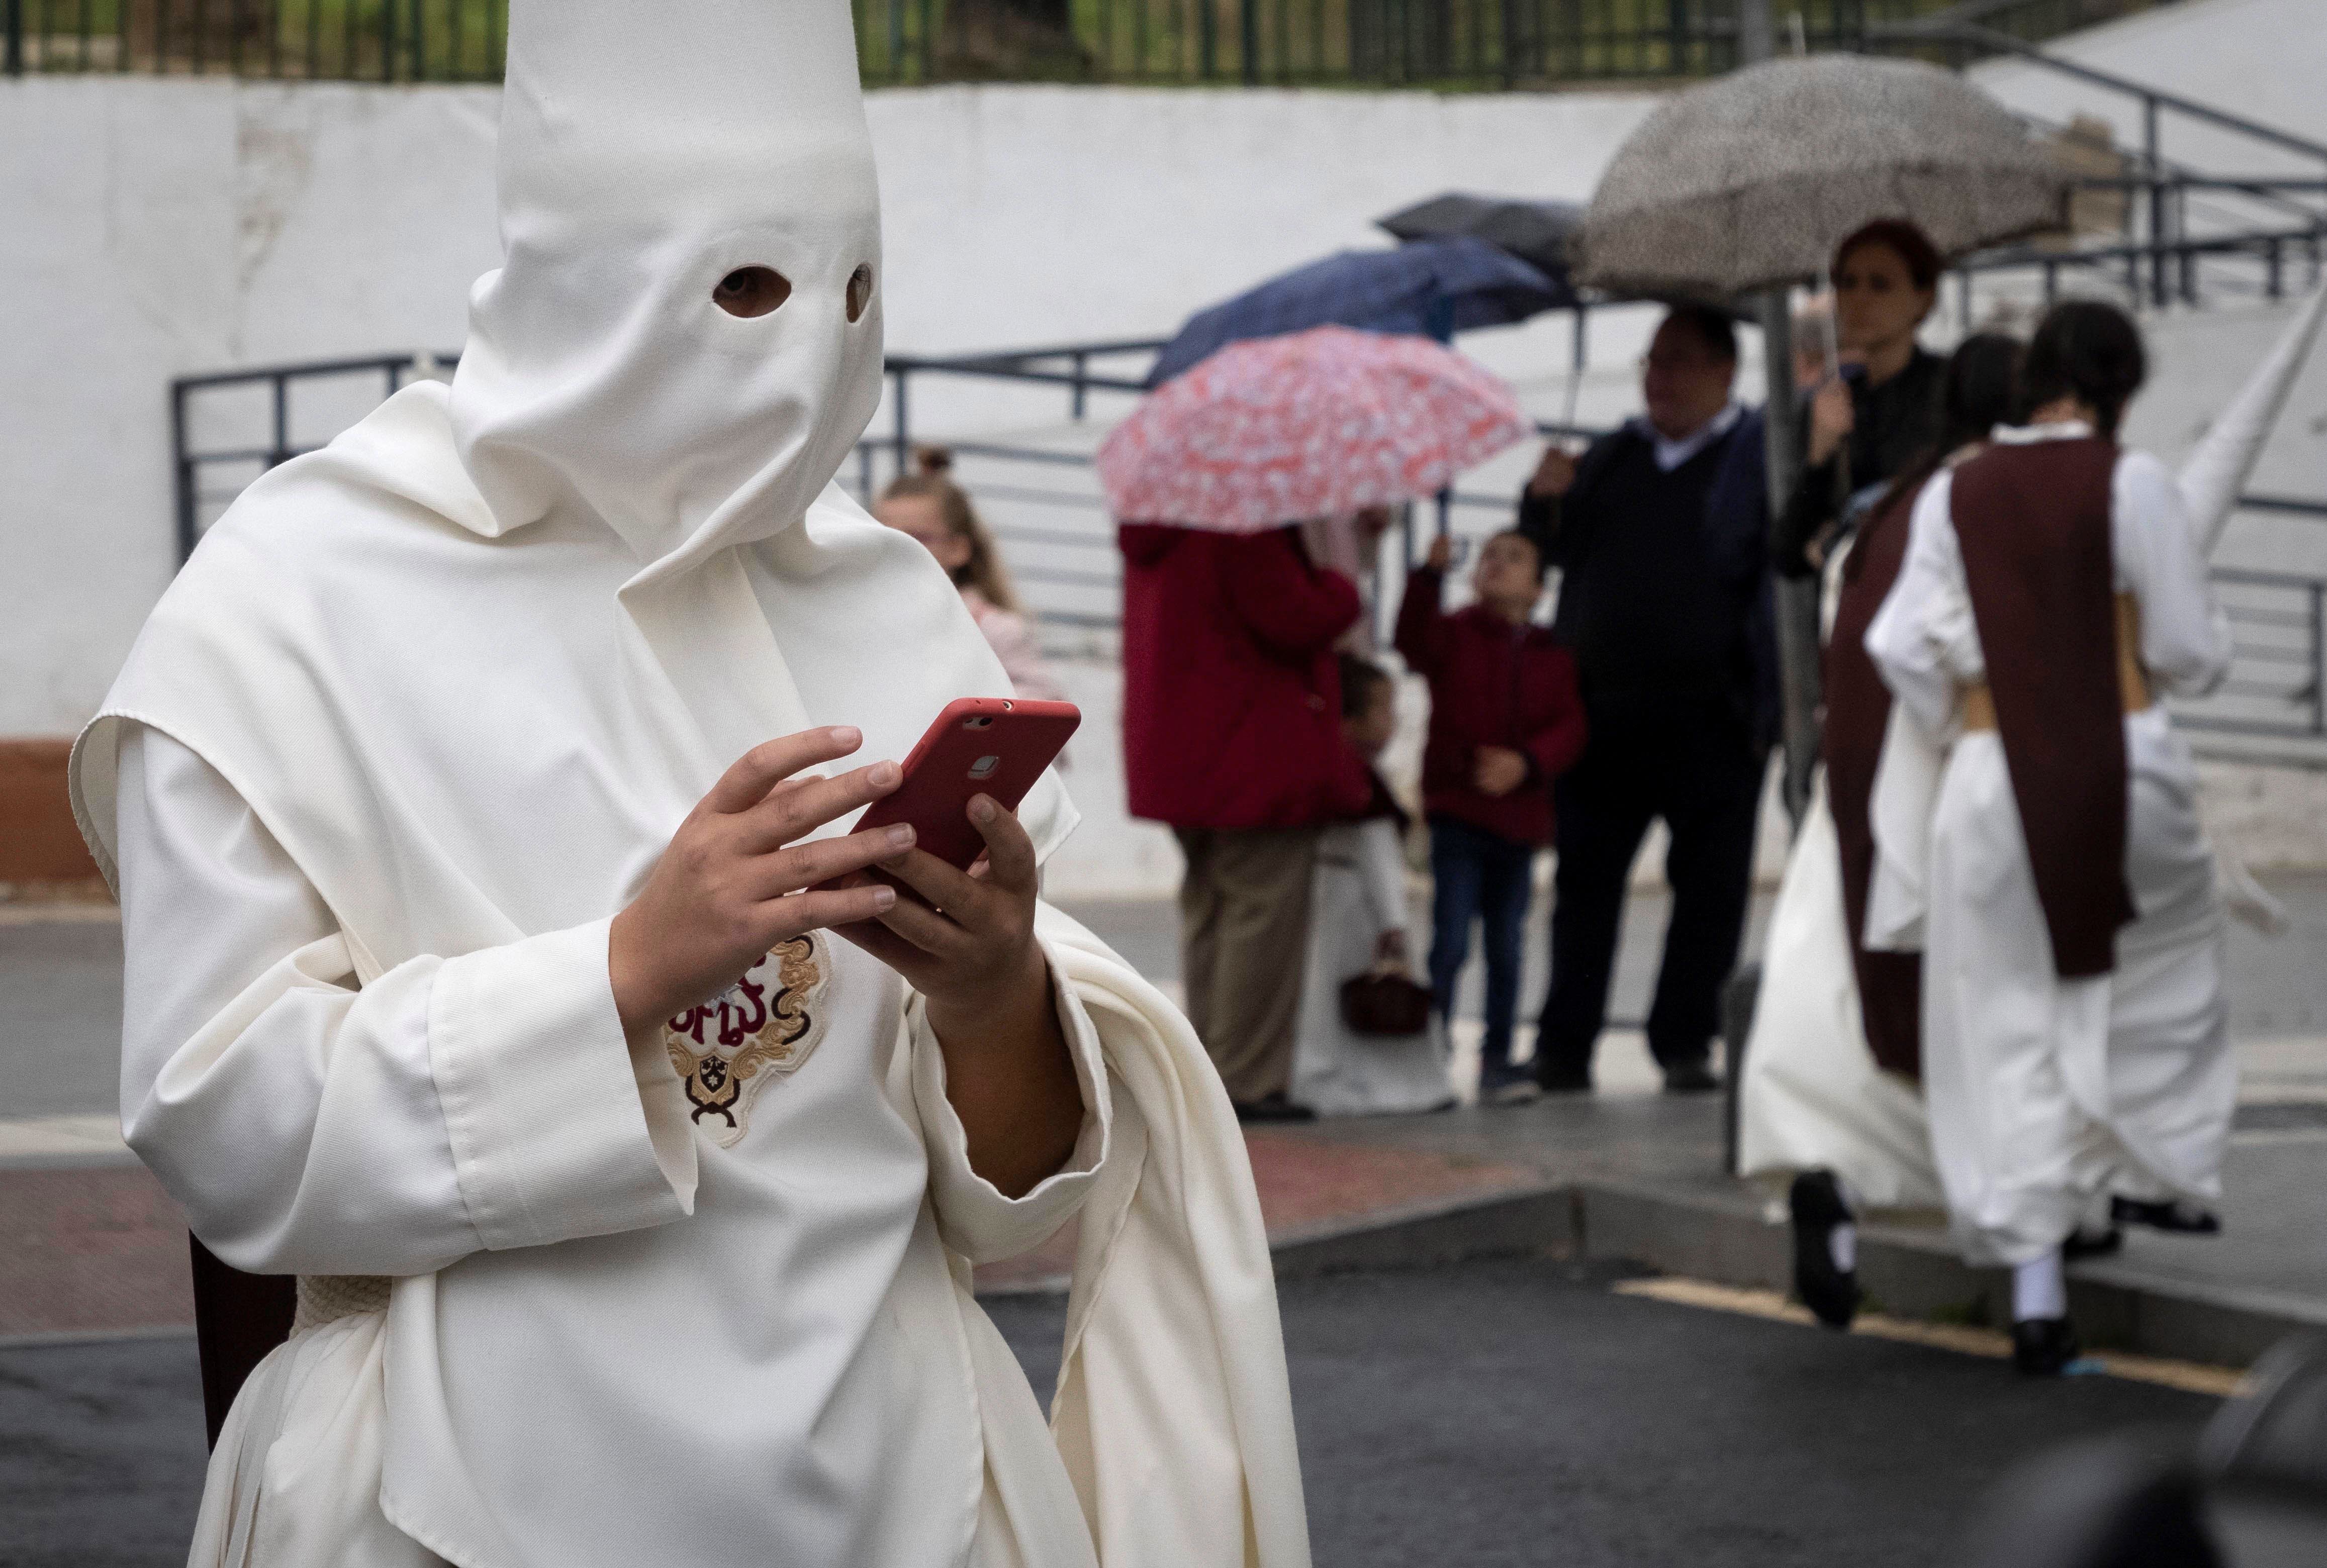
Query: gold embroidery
{"x":760,"y":1028}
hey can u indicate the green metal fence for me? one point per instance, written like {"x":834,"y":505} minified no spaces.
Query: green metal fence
{"x":1445,"y":43}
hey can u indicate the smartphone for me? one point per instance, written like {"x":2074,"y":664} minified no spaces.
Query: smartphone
{"x":991,"y":746}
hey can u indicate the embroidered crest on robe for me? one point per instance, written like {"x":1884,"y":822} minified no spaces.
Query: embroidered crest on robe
{"x":757,"y":1031}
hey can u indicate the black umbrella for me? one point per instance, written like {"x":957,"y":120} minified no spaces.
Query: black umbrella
{"x":1535,"y":232}
{"x":1432,"y":289}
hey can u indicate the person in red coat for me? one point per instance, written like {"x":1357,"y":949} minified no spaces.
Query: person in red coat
{"x":1233,"y":736}
{"x":1506,"y":719}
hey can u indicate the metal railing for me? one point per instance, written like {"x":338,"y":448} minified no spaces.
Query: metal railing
{"x":2165,"y":232}
{"x":1044,"y":504}
{"x":1454,"y":43}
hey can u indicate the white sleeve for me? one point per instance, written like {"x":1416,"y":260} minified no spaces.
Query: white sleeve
{"x":2185,"y":639}
{"x":310,"y":1126}
{"x":1382,"y":866}
{"x":1923,"y":640}
{"x":974,"y":1217}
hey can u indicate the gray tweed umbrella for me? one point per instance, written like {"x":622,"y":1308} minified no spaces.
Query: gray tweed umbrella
{"x":1750,"y":180}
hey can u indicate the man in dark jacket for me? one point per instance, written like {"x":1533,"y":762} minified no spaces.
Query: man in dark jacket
{"x":1662,"y":597}
{"x":1505,"y":721}
{"x":1232,"y":736}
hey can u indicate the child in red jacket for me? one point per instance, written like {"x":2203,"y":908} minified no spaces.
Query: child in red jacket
{"x":1505,"y":720}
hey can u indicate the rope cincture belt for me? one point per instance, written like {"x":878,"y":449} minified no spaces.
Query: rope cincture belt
{"x":2132,"y":680}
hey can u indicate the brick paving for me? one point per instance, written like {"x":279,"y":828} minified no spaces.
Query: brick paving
{"x":90,"y":1249}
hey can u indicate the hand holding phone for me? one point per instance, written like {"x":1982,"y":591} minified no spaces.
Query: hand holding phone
{"x":996,"y":747}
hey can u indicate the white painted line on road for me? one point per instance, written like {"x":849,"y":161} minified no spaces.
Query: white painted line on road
{"x":34,"y":913}
{"x":2191,"y":1377}
{"x":25,"y":1136}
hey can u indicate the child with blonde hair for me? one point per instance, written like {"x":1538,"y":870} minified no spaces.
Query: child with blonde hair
{"x":927,"y":504}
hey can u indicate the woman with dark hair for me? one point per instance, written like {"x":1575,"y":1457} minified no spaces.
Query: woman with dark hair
{"x":1829,"y":1093}
{"x":2073,"y":1021}
{"x":1880,"y":411}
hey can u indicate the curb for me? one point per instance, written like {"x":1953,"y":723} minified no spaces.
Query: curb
{"x":1722,"y":1238}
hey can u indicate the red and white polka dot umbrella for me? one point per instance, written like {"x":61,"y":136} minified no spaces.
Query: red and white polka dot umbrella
{"x":1310,"y":424}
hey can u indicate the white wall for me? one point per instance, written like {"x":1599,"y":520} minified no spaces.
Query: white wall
{"x":161,"y":228}
{"x":150,"y":228}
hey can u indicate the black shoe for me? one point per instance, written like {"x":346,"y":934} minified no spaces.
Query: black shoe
{"x":1563,"y":1081}
{"x":1691,"y":1078}
{"x":1830,"y":1293}
{"x":1274,"y":1107}
{"x":2169,"y":1215}
{"x":1501,"y":1084}
{"x":2043,"y":1347}
{"x":2084,"y":1244}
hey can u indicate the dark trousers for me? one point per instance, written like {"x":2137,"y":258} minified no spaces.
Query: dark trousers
{"x":1244,"y":930}
{"x":1697,"y":769}
{"x":1477,"y":875}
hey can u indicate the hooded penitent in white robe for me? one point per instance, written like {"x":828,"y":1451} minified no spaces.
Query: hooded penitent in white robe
{"x":414,"y":723}
{"x":2045,"y":1093}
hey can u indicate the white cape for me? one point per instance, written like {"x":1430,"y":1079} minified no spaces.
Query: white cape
{"x":1813,"y":1097}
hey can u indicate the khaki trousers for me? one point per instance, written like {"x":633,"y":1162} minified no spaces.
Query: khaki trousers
{"x":1244,"y":934}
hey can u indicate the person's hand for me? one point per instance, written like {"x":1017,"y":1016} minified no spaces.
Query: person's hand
{"x":1497,"y":771}
{"x":1553,"y":475}
{"x":967,"y":945}
{"x":1832,"y":419}
{"x":729,"y":885}
{"x":1441,"y":553}
{"x":1389,"y":950}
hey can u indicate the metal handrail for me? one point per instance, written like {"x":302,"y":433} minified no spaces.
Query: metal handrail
{"x":1937,"y":31}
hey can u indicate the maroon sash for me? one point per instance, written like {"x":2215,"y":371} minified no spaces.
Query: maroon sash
{"x":1857,"y":709}
{"x":2033,"y":523}
{"x":239,"y":1318}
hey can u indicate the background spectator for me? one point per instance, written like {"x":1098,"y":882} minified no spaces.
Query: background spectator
{"x":1232,"y":736}
{"x":1667,"y":641}
{"x":1357,"y":923}
{"x":937,"y":512}
{"x":1505,"y":721}
{"x":1883,"y":410}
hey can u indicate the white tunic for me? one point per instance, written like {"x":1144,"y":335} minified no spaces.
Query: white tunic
{"x":1357,"y":893}
{"x":2043,"y":1093}
{"x":795,"y":1290}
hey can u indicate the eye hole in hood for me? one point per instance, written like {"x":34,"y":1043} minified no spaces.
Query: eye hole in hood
{"x":753,"y":290}
{"x":860,"y":292}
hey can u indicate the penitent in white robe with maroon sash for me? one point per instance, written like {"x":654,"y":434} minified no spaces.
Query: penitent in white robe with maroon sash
{"x":2046,"y":1093}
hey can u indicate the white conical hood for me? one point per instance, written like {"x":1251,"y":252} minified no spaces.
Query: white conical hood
{"x":2215,"y":474}
{"x":647,"y":150}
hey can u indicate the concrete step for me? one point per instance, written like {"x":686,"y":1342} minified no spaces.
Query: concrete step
{"x":1723,"y":1238}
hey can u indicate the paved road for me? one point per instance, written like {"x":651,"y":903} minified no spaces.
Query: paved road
{"x":1500,"y":1414}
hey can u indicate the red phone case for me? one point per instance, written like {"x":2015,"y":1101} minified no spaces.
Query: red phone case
{"x":993,"y":746}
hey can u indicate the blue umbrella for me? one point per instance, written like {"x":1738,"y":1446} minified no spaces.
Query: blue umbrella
{"x":1433,"y":287}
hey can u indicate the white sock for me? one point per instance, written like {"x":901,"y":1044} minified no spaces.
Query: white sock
{"x":1842,"y":1242}
{"x":2040,"y":1290}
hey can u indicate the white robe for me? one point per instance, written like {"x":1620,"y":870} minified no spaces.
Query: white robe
{"x":1357,"y":893}
{"x":372,"y":797}
{"x":2046,"y":1093}
{"x":1812,"y":1096}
